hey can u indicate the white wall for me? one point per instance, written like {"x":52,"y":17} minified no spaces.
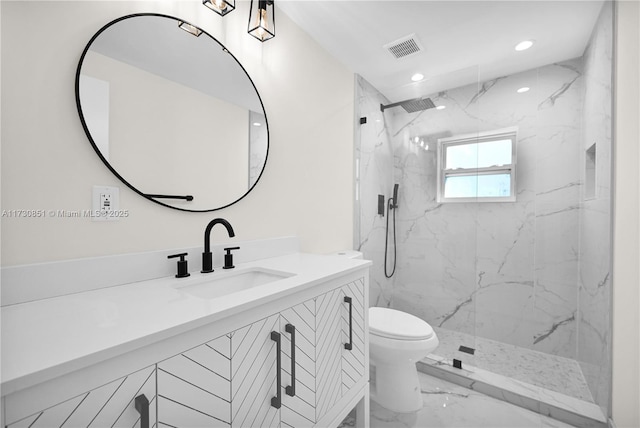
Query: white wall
{"x":626,"y":255}
{"x":48,"y":164}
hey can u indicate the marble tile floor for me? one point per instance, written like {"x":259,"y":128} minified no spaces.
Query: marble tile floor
{"x":448,"y":405}
{"x":547,"y":371}
{"x":543,"y":401}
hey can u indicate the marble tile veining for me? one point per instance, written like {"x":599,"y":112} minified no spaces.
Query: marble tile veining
{"x":458,"y":264}
{"x":547,"y":371}
{"x":559,"y":406}
{"x":594,"y":339}
{"x":448,"y":405}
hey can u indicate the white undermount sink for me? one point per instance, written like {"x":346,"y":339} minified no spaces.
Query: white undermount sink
{"x":221,"y":283}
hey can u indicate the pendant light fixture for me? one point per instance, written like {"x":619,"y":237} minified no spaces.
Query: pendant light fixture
{"x":221,"y":7}
{"x":262,"y":20}
{"x":189,"y":28}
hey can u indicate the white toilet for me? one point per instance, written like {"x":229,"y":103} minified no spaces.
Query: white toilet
{"x":397,"y":340}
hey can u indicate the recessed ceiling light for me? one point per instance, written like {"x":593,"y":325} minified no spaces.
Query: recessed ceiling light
{"x":257,"y":124}
{"x":417,"y":77}
{"x":441,"y":107}
{"x":524,"y":45}
{"x":523,"y":90}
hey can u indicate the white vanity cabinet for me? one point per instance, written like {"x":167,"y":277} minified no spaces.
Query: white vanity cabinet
{"x":340,"y":369}
{"x":354,"y":361}
{"x":253,"y":372}
{"x":109,"y":405}
{"x":302,"y":366}
{"x":232,"y":380}
{"x":324,"y":370}
{"x":299,"y":382}
{"x":194,"y":386}
{"x":286,"y":339}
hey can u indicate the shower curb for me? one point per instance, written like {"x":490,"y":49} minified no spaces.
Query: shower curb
{"x":549,"y":403}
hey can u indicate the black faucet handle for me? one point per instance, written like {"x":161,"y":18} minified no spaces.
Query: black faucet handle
{"x":228,"y":258}
{"x":183,"y":270}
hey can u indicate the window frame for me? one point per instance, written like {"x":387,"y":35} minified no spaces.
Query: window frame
{"x":477,"y":138}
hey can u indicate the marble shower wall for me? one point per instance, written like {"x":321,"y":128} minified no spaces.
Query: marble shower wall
{"x":503,"y":271}
{"x":594,"y":340}
{"x":374,"y":176}
{"x":532,"y":273}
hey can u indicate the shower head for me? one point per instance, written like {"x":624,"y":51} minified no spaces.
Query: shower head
{"x":412,"y":106}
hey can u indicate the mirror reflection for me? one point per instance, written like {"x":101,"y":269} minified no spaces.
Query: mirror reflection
{"x":173,"y":114}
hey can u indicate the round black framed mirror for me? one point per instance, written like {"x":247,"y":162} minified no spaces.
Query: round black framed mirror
{"x":172,"y":113}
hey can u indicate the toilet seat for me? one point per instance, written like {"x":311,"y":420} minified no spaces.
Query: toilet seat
{"x":392,"y":324}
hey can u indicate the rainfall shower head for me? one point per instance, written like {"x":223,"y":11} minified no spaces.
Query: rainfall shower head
{"x":412,"y":106}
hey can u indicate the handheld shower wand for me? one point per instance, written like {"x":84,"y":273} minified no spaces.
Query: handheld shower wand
{"x":391,"y":205}
{"x":395,"y":196}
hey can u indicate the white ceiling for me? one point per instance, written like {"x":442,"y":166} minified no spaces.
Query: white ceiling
{"x":463,"y":41}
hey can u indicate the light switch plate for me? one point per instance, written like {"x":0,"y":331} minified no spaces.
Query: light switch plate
{"x":105,"y":202}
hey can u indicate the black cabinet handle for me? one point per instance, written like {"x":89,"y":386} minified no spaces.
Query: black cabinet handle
{"x":349,"y":345}
{"x":277,"y":400}
{"x":291,"y":389}
{"x":142,"y":406}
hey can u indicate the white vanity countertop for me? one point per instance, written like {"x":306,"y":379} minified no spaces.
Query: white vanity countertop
{"x":50,"y":337}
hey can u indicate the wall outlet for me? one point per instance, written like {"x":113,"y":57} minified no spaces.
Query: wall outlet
{"x":105,"y":203}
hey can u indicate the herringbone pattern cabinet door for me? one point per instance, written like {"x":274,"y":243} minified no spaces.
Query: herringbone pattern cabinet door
{"x":253,"y":375}
{"x":194,"y":387}
{"x":299,"y":410}
{"x":353,"y":360}
{"x":109,"y":405}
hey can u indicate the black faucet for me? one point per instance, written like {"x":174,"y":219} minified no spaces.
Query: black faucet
{"x":207,"y":257}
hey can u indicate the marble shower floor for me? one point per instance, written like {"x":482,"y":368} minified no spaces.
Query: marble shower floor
{"x":448,"y":405}
{"x":554,"y":373}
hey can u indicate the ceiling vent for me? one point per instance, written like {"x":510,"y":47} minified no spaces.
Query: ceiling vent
{"x":404,"y":47}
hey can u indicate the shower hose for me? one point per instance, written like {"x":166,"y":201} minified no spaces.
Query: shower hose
{"x":386,"y":240}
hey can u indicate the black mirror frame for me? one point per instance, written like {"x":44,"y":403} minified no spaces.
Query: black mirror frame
{"x":106,"y":162}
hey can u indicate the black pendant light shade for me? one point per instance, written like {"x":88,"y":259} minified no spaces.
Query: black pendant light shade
{"x":262,"y":21}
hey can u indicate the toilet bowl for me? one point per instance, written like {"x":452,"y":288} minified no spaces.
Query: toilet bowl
{"x":397,"y":340}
